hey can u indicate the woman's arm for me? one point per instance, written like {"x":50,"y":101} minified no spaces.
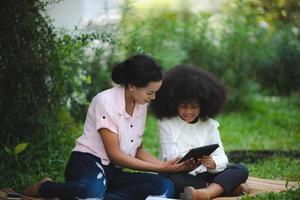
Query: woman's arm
{"x":116,"y":156}
{"x":145,"y":156}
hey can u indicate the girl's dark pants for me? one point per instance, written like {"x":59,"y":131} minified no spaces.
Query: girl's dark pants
{"x":229,"y":179}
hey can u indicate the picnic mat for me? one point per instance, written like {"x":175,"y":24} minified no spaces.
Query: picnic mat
{"x":259,"y":185}
{"x":256,"y":186}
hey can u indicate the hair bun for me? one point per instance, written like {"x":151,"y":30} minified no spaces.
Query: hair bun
{"x":138,"y":70}
{"x":118,"y":73}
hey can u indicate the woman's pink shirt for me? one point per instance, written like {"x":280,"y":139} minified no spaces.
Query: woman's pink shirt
{"x":107,"y":110}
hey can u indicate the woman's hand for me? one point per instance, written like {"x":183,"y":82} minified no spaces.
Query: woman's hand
{"x":173,"y":166}
{"x":208,"y":162}
{"x":196,"y":163}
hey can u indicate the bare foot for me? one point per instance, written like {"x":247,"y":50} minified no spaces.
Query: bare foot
{"x":192,"y":194}
{"x":241,"y":189}
{"x":33,"y":191}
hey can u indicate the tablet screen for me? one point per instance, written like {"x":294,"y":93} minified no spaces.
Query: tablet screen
{"x":199,"y":152}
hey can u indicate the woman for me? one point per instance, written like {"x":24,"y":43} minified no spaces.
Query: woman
{"x":112,"y":140}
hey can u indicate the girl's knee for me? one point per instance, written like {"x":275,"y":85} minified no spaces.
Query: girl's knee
{"x":243,"y":170}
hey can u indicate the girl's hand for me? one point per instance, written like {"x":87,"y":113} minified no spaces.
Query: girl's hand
{"x":208,"y":162}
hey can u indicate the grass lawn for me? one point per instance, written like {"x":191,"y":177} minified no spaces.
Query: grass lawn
{"x":266,"y":123}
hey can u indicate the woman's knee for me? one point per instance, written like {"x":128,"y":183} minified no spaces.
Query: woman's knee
{"x":165,"y":187}
{"x":93,"y":190}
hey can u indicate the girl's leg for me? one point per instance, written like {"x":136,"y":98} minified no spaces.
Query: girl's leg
{"x":211,"y":191}
{"x":135,"y":186}
{"x":229,"y":179}
{"x":84,"y":179}
{"x":221,"y":183}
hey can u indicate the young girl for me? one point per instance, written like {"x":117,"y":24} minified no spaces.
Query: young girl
{"x":112,"y":140}
{"x":186,"y":104}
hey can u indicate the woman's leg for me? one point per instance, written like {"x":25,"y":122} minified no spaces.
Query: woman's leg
{"x":84,"y":178}
{"x":182,"y":180}
{"x":135,"y":186}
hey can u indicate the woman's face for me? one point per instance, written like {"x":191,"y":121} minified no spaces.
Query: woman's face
{"x":142,"y":95}
{"x":189,"y":112}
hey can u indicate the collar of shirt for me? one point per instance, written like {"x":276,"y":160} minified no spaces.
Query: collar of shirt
{"x":121,"y":104}
{"x":182,"y":125}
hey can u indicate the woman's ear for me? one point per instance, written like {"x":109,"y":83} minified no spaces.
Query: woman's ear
{"x":130,"y":87}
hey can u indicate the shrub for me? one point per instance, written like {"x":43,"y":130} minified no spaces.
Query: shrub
{"x":280,"y":72}
{"x":43,"y":71}
{"x":31,"y":76}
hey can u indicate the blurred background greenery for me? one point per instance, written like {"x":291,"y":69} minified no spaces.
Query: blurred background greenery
{"x":48,"y":77}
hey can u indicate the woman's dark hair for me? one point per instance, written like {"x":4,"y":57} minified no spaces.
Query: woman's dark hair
{"x":138,"y":70}
{"x":184,"y":84}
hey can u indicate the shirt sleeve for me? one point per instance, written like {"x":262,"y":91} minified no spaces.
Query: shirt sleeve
{"x":218,"y":155}
{"x":166,"y":149}
{"x":105,"y":115}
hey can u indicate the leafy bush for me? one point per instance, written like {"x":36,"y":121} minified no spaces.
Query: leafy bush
{"x":240,"y":44}
{"x":280,"y":72}
{"x":30,"y":77}
{"x":84,"y":59}
{"x":43,"y":71}
{"x":158,"y":33}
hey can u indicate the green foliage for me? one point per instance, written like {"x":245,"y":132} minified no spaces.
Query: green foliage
{"x":156,"y":33}
{"x":281,"y":71}
{"x":278,"y":11}
{"x":85,"y":71}
{"x":30,"y":72}
{"x":245,"y":48}
{"x":43,"y":71}
{"x":151,"y":138}
{"x":17,"y":150}
{"x":45,"y":155}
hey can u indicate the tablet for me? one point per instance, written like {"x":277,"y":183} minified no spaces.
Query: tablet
{"x":199,"y":152}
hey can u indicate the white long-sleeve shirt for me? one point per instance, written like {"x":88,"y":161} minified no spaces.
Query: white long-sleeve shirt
{"x":177,"y":137}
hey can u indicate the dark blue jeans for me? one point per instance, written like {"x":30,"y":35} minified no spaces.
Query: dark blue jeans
{"x":229,"y":179}
{"x":86,"y":177}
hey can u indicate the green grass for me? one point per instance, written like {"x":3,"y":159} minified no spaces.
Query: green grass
{"x":289,"y":195}
{"x":276,"y":168}
{"x":265,"y":124}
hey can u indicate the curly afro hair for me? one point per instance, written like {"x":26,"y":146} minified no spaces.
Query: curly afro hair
{"x":185,"y":84}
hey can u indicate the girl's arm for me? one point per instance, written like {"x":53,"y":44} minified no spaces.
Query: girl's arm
{"x":218,"y":155}
{"x":116,"y":156}
{"x":167,"y":150}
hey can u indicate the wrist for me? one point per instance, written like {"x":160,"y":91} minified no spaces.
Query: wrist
{"x":161,"y":168}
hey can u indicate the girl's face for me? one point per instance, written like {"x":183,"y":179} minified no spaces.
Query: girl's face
{"x":142,"y":95}
{"x":189,"y":112}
